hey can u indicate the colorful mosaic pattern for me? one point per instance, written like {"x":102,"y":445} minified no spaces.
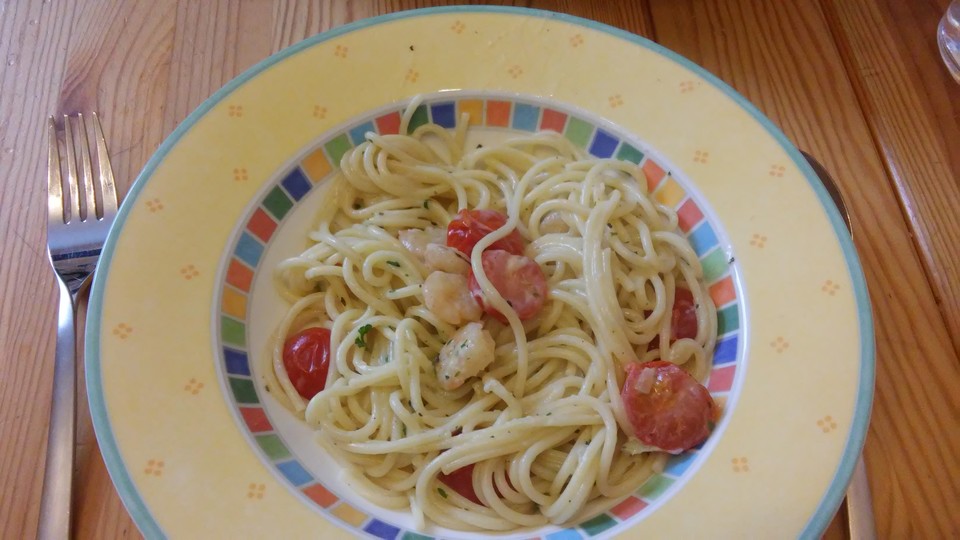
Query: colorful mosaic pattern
{"x":514,"y":114}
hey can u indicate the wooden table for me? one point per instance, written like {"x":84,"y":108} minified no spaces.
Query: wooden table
{"x":858,"y":83}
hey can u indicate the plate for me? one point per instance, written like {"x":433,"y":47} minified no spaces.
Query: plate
{"x":182,"y":305}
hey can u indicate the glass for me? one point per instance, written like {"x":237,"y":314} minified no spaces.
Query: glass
{"x":948,"y":36}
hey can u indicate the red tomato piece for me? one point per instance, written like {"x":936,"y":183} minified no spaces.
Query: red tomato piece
{"x":306,"y":357}
{"x":461,"y":481}
{"x":667,"y":407}
{"x":683,"y":321}
{"x":465,"y":230}
{"x":517,"y":278}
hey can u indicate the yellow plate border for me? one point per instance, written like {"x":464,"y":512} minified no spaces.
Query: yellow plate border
{"x":97,"y":329}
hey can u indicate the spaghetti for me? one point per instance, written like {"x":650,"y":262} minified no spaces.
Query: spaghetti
{"x":540,"y":430}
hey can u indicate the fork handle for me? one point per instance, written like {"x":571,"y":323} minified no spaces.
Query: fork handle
{"x":56,"y":501}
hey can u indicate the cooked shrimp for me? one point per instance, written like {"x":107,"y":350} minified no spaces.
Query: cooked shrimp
{"x":553,"y":223}
{"x":416,"y":240}
{"x":445,"y":259}
{"x":448,"y":297}
{"x":467,"y":354}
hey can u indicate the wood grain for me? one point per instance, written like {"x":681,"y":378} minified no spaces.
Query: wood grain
{"x":31,"y":38}
{"x":784,"y":59}
{"x":896,"y":77}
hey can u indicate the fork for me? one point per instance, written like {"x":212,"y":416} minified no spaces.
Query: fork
{"x":76,"y":229}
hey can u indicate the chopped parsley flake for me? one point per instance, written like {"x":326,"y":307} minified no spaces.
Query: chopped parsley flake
{"x":360,"y":341}
{"x":426,"y":203}
{"x":394,"y":264}
{"x":442,"y":492}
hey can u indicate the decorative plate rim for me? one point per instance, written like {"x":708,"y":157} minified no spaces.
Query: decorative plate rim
{"x":511,"y":112}
{"x":856,"y":436}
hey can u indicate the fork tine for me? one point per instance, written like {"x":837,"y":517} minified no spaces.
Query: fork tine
{"x":72,"y":180}
{"x":108,"y":186}
{"x":89,"y":207}
{"x":54,"y":180}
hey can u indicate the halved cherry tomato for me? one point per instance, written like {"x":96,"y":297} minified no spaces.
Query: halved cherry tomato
{"x":465,"y":230}
{"x":461,"y":480}
{"x":306,"y":357}
{"x":683,"y":321}
{"x":517,"y":278}
{"x":667,"y":407}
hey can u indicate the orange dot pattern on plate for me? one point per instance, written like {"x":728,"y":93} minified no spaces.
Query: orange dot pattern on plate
{"x":122,"y":330}
{"x":256,"y":491}
{"x":189,"y":272}
{"x":687,"y":86}
{"x":458,"y":27}
{"x":240,"y":174}
{"x":740,"y":464}
{"x":235,"y":111}
{"x":412,"y":75}
{"x":576,"y":40}
{"x":340,"y":51}
{"x":827,"y":424}
{"x":154,"y":205}
{"x":830,"y":287}
{"x":758,"y":240}
{"x":515,"y":71}
{"x":780,"y":344}
{"x":319,"y":112}
{"x":154,"y":467}
{"x":193,"y":386}
{"x":615,"y":101}
{"x":777,"y":170}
